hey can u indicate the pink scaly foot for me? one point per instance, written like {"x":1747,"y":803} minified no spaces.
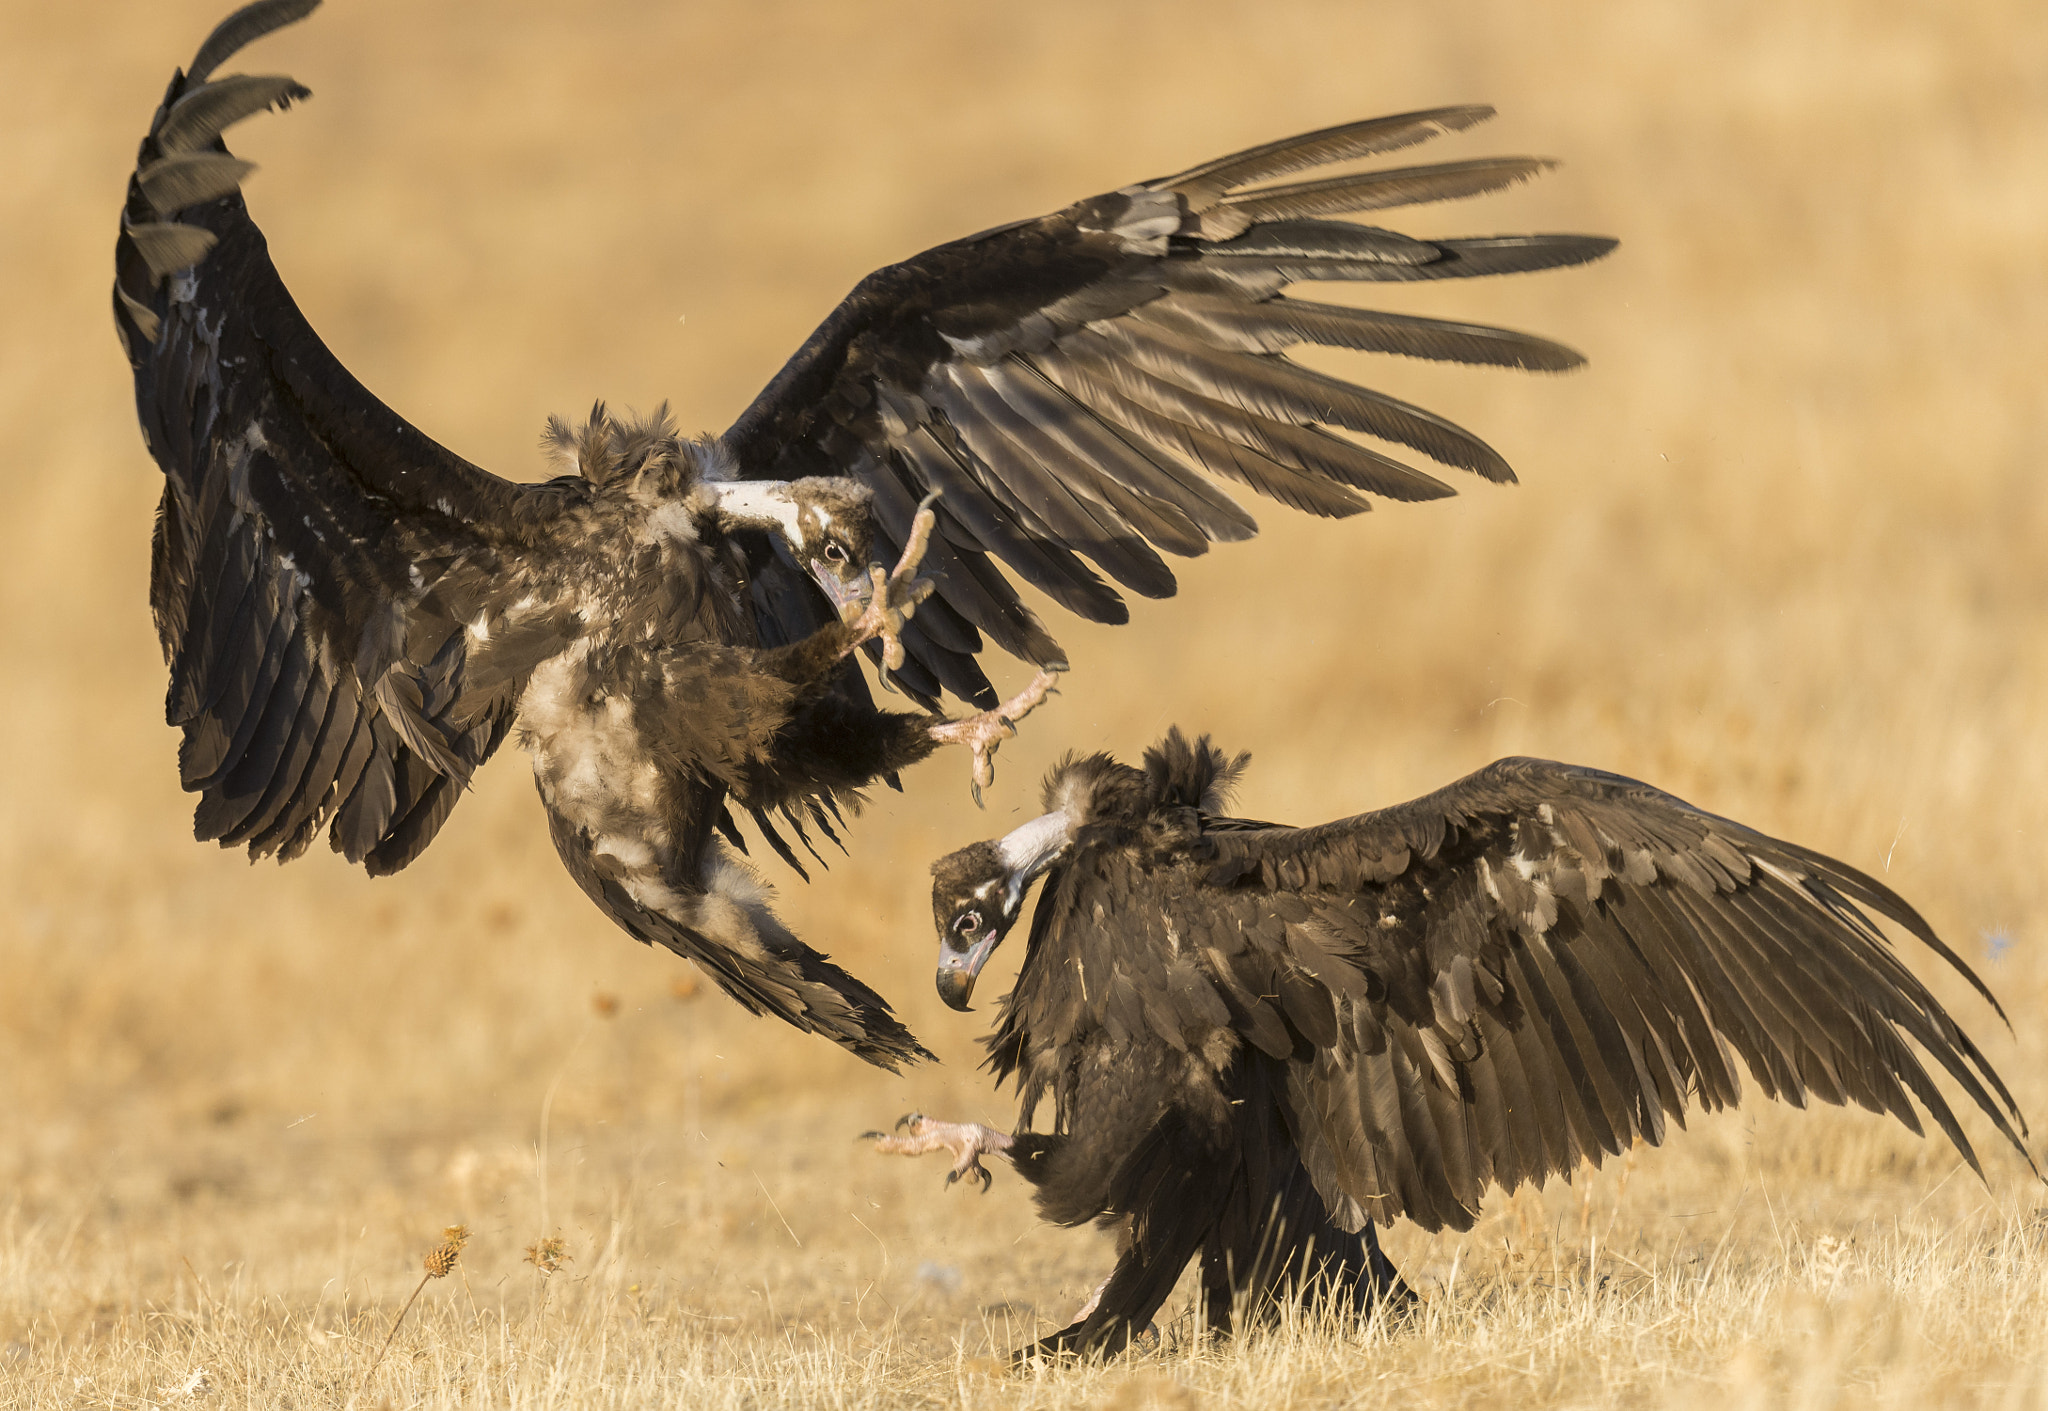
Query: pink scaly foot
{"x":968,"y":1141}
{"x":982,"y":733}
{"x":894,"y":596}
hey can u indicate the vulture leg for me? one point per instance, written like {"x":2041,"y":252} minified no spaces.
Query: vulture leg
{"x":968,"y":1141}
{"x":1274,"y":1242}
{"x":834,"y":742}
{"x":1151,"y":1333}
{"x":1264,"y":1254}
{"x":1121,"y":1310}
{"x":1172,"y":1187}
{"x":982,"y":733}
{"x":810,"y":664}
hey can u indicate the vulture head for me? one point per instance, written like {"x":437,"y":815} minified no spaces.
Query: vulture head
{"x":976,"y":897}
{"x":833,"y":536}
{"x":978,"y":892}
{"x":825,"y":521}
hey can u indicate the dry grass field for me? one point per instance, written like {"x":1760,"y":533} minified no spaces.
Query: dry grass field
{"x":1779,"y":550}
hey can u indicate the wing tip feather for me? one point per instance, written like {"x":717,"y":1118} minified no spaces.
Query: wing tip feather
{"x":242,"y":28}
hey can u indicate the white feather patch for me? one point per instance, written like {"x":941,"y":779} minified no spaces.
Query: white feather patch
{"x":1153,"y":217}
{"x":767,"y":503}
{"x":630,"y":852}
{"x":728,"y":877}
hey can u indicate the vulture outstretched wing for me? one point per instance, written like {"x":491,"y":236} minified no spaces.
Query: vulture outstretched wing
{"x":316,"y":557}
{"x":1539,"y":964}
{"x":1075,"y":385}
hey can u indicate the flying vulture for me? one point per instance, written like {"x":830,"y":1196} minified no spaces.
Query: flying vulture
{"x":1261,"y":1040}
{"x":355,"y":618}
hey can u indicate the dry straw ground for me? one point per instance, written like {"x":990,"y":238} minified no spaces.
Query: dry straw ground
{"x":1777,"y":551}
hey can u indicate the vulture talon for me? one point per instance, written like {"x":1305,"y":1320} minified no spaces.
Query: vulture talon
{"x":967,"y":1141}
{"x":984,"y":732}
{"x":893,"y":597}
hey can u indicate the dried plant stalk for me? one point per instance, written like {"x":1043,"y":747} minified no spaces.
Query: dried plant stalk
{"x":440,"y":1261}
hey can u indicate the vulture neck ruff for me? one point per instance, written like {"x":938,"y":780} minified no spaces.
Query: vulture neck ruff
{"x":1027,"y":851}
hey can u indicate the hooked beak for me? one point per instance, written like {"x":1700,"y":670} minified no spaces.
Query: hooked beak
{"x":958,"y":967}
{"x":856,"y":590}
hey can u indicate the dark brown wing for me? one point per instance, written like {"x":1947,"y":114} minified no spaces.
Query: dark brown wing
{"x":1542,"y":963}
{"x":316,"y":558}
{"x":1075,"y":385}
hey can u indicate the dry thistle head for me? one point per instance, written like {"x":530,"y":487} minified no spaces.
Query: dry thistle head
{"x":549,"y":1254}
{"x":441,"y":1258}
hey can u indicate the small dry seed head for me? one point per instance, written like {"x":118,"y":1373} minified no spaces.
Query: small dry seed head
{"x":549,"y":1254}
{"x":441,"y":1258}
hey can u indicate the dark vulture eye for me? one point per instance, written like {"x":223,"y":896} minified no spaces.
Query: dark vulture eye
{"x":968,"y":924}
{"x":835,"y":554}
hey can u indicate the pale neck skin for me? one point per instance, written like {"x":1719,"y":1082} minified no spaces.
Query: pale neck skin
{"x":758,"y":504}
{"x":1028,"y":851}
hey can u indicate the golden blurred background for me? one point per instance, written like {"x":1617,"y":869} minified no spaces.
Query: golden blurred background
{"x":1776,"y":550}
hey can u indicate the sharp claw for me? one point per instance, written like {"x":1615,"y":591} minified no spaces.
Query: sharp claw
{"x":987,"y":1180}
{"x":951,"y":1177}
{"x":872,"y":1137}
{"x":974,"y":788}
{"x":906,"y":1119}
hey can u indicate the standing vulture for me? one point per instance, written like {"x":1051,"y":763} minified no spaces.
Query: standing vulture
{"x":355,"y":618}
{"x":1260,"y":1040}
